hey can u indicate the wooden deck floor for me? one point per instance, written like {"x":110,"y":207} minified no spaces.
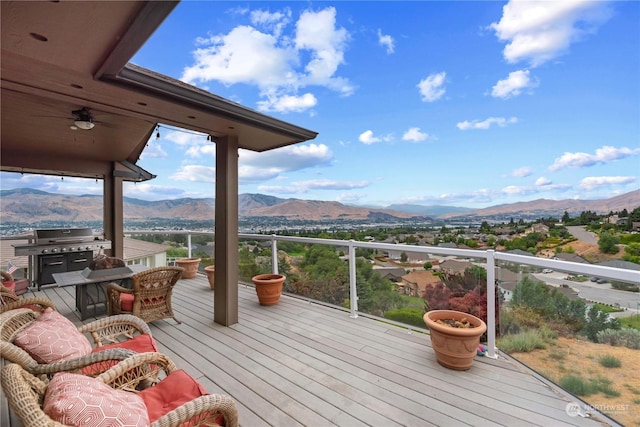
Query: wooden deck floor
{"x":303,"y":364}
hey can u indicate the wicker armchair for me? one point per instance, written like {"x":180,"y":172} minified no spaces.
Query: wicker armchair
{"x":139,"y":375}
{"x":149,"y":297}
{"x":117,"y":332}
{"x":9,"y":300}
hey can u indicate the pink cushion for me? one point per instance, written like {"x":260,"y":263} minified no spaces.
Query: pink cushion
{"x":77,"y":400}
{"x":52,"y":337}
{"x":140,"y":344}
{"x":176,"y":389}
{"x":126,"y":302}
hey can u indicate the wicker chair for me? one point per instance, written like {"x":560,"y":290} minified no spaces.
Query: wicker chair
{"x":137,"y":374}
{"x":9,"y":300}
{"x":125,"y":332}
{"x":149,"y":297}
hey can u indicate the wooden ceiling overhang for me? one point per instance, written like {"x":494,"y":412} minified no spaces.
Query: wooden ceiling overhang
{"x":61,"y":56}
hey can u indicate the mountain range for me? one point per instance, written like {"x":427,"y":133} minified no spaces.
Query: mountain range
{"x":26,"y":205}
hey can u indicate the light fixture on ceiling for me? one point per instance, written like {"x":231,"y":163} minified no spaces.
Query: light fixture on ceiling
{"x":84,"y":124}
{"x":83,"y":119}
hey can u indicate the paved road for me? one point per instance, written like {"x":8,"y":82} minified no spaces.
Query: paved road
{"x":580,"y":233}
{"x":599,"y":292}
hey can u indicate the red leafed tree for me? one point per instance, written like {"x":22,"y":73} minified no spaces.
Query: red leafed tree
{"x":437,"y":297}
{"x":474,"y":302}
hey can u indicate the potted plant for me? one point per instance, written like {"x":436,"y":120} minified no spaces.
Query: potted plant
{"x":211,"y":275}
{"x":190,"y":266}
{"x":268,"y":287}
{"x":455,"y":337}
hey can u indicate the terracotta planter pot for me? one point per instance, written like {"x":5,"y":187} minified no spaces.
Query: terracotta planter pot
{"x":268,"y":287}
{"x":190,"y":266}
{"x":455,"y":348}
{"x":211,"y":276}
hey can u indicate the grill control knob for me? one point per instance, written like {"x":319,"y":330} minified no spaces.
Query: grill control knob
{"x":63,"y":250}
{"x":88,"y":248}
{"x":45,"y":251}
{"x":54,"y":250}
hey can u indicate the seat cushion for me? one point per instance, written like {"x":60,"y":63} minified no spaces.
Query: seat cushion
{"x":126,"y":302}
{"x":140,"y":344}
{"x":77,"y":400}
{"x":175,"y":390}
{"x":52,"y":337}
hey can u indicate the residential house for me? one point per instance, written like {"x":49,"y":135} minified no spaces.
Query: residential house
{"x":415,"y":283}
{"x":454,"y":267}
{"x":391,"y":273}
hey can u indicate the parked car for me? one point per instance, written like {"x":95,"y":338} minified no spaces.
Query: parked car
{"x":547,"y":270}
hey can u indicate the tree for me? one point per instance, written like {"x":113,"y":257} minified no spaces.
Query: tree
{"x":608,"y":243}
{"x":437,"y":297}
{"x":566,"y":218}
{"x":598,"y":321}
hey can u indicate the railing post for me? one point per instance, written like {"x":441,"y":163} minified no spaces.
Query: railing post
{"x":491,"y":304}
{"x":353,"y":292}
{"x":189,"y":245}
{"x":274,"y":255}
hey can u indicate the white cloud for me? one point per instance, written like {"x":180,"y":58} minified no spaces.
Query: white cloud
{"x":521,"y":172}
{"x":289,"y":158}
{"x":513,"y":85}
{"x":316,"y":32}
{"x":414,"y":135}
{"x":286,"y":103}
{"x":367,"y":137}
{"x":153,"y":150}
{"x":486,"y":124}
{"x":301,"y":187}
{"x":542,"y":181}
{"x":273,"y":59}
{"x":145,"y":191}
{"x":538,"y":31}
{"x":602,"y":155}
{"x":595,"y":182}
{"x":198,"y":151}
{"x":195,"y":173}
{"x":431,"y":88}
{"x":183,"y":137}
{"x":275,"y":21}
{"x":387,"y":41}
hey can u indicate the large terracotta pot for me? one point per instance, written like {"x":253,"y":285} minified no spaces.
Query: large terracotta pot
{"x":455,"y":348}
{"x":211,"y":275}
{"x":268,"y":287}
{"x":190,"y":266}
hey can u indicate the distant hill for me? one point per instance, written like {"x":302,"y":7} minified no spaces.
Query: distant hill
{"x":432,"y":210}
{"x":545,"y":208}
{"x":30,"y":206}
{"x":27,"y":205}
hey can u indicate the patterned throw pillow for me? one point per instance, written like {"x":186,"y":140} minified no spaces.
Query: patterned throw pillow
{"x":76,"y":400}
{"x":52,"y":337}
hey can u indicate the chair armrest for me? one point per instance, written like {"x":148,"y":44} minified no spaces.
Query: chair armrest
{"x":83,"y":361}
{"x":110,"y":329}
{"x":117,"y":288}
{"x":24,"y":302}
{"x":202,"y":405}
{"x":15,"y":354}
{"x":138,"y":371}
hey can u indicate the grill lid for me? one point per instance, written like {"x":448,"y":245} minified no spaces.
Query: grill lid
{"x":62,"y":235}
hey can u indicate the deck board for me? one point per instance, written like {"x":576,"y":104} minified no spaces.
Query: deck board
{"x":300,"y":363}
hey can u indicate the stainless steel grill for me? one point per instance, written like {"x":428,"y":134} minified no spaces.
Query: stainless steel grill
{"x":59,"y":250}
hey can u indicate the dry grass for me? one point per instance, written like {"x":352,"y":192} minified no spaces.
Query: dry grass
{"x":571,"y":356}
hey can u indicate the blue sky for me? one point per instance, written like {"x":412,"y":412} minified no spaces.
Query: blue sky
{"x":437,"y":103}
